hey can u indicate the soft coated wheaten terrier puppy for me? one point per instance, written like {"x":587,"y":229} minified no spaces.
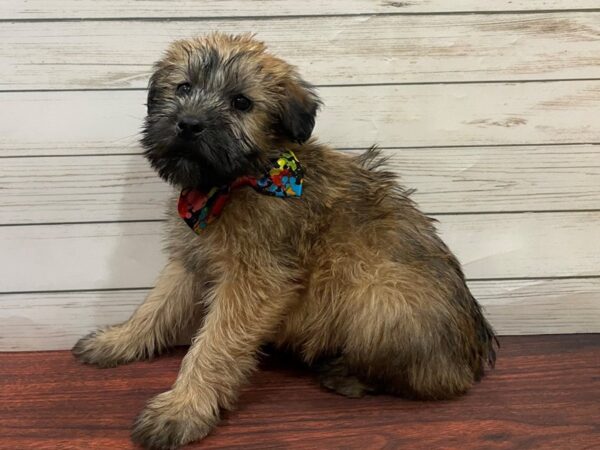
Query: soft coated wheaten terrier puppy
{"x":279,"y":239}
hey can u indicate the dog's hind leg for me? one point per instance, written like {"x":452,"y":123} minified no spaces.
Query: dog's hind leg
{"x":335,"y":375}
{"x":168,"y":311}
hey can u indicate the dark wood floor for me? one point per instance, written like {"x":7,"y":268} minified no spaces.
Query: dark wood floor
{"x":544,"y":393}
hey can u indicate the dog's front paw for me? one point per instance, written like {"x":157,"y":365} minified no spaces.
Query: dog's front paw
{"x":169,"y":421}
{"x":93,"y":349}
{"x":106,"y":348}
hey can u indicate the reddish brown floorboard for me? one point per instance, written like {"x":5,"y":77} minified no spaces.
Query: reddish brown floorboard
{"x":544,"y":393}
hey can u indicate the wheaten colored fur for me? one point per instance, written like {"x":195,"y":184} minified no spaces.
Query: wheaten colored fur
{"x":350,"y":276}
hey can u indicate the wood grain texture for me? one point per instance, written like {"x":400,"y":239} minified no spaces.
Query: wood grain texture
{"x":448,"y":180}
{"x":454,"y":91}
{"x":128,"y":255}
{"x":544,"y":393}
{"x":525,"y":245}
{"x":80,"y":189}
{"x":84,"y":122}
{"x":327,"y":50}
{"x":91,"y":9}
{"x":55,"y":320}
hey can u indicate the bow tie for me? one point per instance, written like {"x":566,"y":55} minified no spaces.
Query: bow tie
{"x":284,"y":179}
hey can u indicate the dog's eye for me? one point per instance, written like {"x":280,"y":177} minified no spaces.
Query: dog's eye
{"x":183,"y":89}
{"x":241,"y":103}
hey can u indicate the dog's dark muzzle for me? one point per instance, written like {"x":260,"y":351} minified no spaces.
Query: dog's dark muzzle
{"x":189,"y":128}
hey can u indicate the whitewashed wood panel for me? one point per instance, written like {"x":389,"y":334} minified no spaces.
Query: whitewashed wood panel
{"x":453,"y":142}
{"x":127,"y":255}
{"x":82,"y":9}
{"x":353,"y":117}
{"x":541,"y":306}
{"x":55,"y":320}
{"x":327,"y":50}
{"x":80,"y":189}
{"x":448,"y":180}
{"x":90,"y":256}
{"x":526,"y":244}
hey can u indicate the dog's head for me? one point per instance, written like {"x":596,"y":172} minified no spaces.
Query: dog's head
{"x":220,"y":107}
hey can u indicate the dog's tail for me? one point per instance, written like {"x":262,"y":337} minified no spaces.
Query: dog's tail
{"x":488,"y":342}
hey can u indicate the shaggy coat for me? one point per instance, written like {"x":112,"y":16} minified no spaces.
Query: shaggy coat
{"x":350,"y":276}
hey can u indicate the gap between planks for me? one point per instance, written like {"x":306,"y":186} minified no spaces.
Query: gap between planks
{"x":340,"y":85}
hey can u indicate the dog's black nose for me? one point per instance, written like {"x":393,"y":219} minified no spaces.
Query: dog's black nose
{"x":189,"y":128}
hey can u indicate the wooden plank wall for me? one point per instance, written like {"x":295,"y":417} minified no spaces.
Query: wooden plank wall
{"x":489,"y":108}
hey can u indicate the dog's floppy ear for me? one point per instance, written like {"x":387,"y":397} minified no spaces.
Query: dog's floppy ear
{"x":152,"y":94}
{"x":298,"y":110}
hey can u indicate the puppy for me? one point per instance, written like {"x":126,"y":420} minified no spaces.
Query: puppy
{"x":279,"y":239}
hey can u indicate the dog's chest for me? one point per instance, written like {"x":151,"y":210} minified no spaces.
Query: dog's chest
{"x":250,"y":224}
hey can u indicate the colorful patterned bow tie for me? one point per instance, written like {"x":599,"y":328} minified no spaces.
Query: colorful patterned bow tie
{"x":198,"y":209}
